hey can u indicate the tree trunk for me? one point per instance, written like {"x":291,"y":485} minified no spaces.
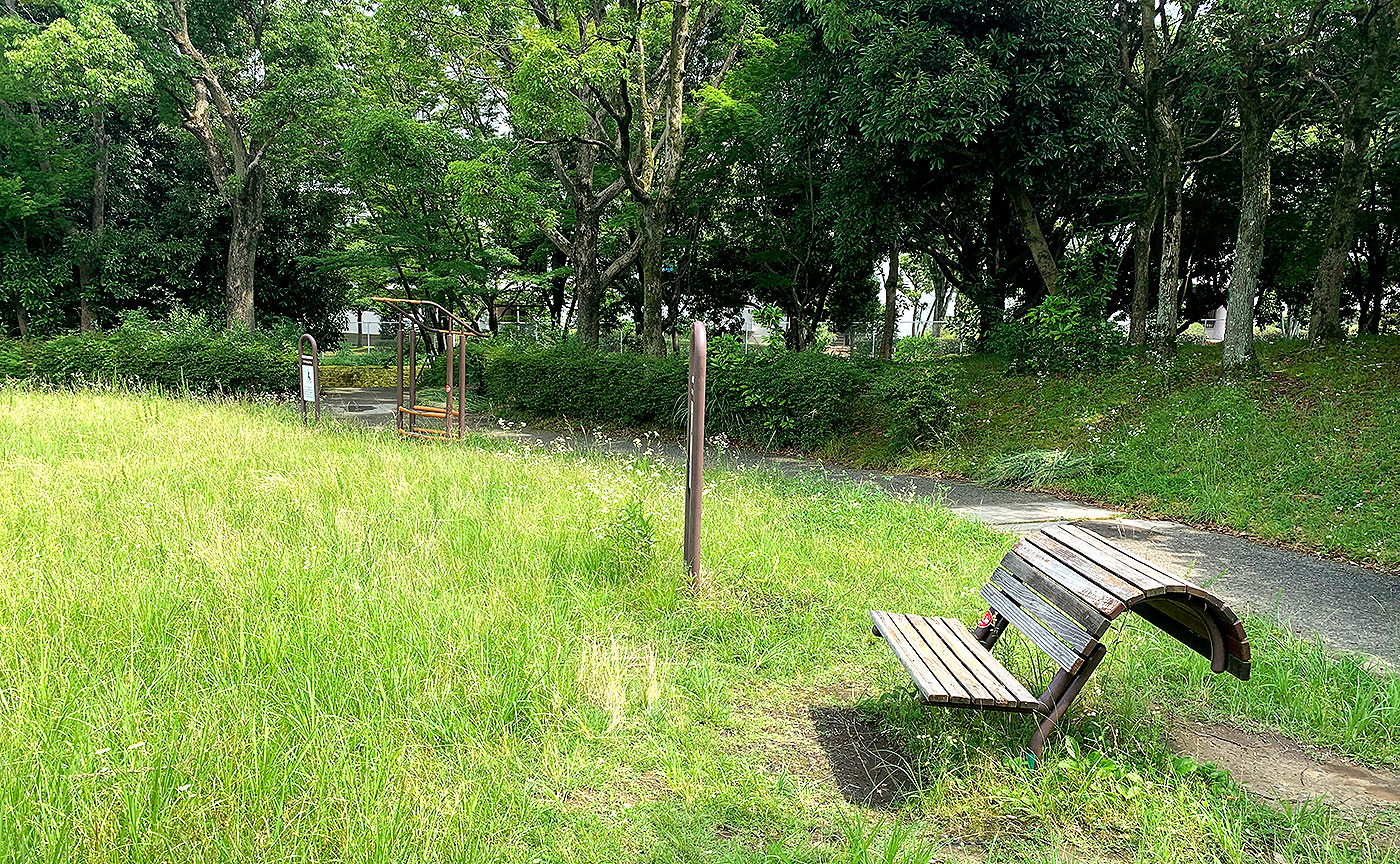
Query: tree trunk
{"x":1358,"y":123}
{"x":940,"y":303}
{"x":90,"y":258}
{"x":246,"y":205}
{"x":1035,"y":238}
{"x":21,"y":319}
{"x":891,"y":303}
{"x":588,"y":285}
{"x":1169,"y":273}
{"x":1255,"y":133}
{"x":1142,"y":276}
{"x":653,"y":338}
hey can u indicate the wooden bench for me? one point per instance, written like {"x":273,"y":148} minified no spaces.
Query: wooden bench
{"x":1062,"y":588}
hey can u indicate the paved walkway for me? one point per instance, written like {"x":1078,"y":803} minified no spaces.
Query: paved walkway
{"x":1350,"y":607}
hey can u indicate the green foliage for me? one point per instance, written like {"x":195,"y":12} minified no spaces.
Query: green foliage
{"x":182,"y":353}
{"x":1067,"y":332}
{"x":566,"y":381}
{"x":1037,"y":468}
{"x":920,"y":348}
{"x":770,"y":398}
{"x":916,"y":405}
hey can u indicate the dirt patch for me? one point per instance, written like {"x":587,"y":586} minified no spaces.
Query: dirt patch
{"x":1278,"y":769}
{"x":820,"y":738}
{"x":869,"y":769}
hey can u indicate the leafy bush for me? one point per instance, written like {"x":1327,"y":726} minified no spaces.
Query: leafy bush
{"x":915,"y":405}
{"x":773,"y":398}
{"x":571,"y":382}
{"x":1061,"y":335}
{"x":782,"y":398}
{"x":1070,"y":331}
{"x":185,"y":351}
{"x":919,"y":348}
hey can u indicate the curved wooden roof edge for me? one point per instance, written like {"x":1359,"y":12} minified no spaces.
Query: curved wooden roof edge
{"x":1184,"y":610}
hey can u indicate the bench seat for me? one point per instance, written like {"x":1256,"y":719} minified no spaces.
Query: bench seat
{"x":949,"y":666}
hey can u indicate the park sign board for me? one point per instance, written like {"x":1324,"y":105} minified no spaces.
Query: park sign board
{"x":310,"y":366}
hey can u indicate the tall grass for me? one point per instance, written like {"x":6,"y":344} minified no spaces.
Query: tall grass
{"x":227,"y":637}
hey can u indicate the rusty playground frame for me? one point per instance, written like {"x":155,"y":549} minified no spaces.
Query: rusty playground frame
{"x":409,"y":411}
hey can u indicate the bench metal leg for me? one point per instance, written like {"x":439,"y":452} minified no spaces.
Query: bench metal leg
{"x":1068,"y":687}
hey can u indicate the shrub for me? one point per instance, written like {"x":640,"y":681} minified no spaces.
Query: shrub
{"x":773,"y":398}
{"x":914,"y":403}
{"x":919,"y":348}
{"x":781,"y":398}
{"x":1061,"y":335}
{"x":184,"y":352}
{"x":569,"y":381}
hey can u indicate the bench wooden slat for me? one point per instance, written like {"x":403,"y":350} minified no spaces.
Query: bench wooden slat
{"x":941,"y":646}
{"x":942,"y":673}
{"x":977,"y":691}
{"x":1107,"y":555}
{"x":981,"y":662}
{"x":1032,"y":629}
{"x":909,"y":658}
{"x":1092,"y":593}
{"x":1072,"y":604}
{"x":1236,"y":640}
{"x":1110,"y":582}
{"x":1044,"y":611}
{"x":1097,"y":566}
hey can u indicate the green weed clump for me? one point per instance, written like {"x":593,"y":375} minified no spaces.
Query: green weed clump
{"x":1037,"y":468}
{"x":227,"y":637}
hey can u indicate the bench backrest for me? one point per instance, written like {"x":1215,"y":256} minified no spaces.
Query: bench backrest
{"x":1064,"y":586}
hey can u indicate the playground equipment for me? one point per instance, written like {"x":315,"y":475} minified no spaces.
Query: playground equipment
{"x":695,"y":449}
{"x":310,"y":368}
{"x":454,"y":331}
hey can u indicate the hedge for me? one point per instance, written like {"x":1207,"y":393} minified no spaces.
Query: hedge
{"x":772,"y":398}
{"x":182,"y":353}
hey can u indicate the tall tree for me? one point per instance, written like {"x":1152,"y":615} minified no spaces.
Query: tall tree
{"x":1374,"y":51}
{"x":247,"y":79}
{"x":1269,"y":54}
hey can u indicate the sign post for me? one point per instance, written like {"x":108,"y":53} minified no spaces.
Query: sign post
{"x":695,"y":448}
{"x":310,"y":368}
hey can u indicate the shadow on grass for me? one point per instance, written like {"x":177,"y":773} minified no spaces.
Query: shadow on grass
{"x":870,"y":769}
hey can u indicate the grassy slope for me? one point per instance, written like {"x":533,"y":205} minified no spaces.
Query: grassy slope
{"x":224,"y":637}
{"x":1308,"y":453}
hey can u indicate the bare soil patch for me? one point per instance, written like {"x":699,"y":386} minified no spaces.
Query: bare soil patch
{"x":1278,"y":769}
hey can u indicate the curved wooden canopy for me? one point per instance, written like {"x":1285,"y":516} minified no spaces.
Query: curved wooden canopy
{"x":1103,"y":580}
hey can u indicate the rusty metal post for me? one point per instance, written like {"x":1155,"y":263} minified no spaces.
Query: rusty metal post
{"x":309,"y":368}
{"x":695,"y":452}
{"x":462,"y":387}
{"x":447,"y":406}
{"x":413,"y":380}
{"x":398,"y":397}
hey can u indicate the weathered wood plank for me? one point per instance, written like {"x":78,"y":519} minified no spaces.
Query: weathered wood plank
{"x":1092,"y":595}
{"x":1044,"y":611}
{"x":977,"y":690}
{"x":1032,"y":629}
{"x":948,"y":683}
{"x":908,"y":658}
{"x":981,"y":662}
{"x":1110,"y":582}
{"x":1109,"y":554}
{"x":1071,"y":603}
{"x":1099,"y":565}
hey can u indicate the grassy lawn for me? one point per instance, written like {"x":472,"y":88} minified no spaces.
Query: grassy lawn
{"x":224,"y":637}
{"x":1305,"y":454}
